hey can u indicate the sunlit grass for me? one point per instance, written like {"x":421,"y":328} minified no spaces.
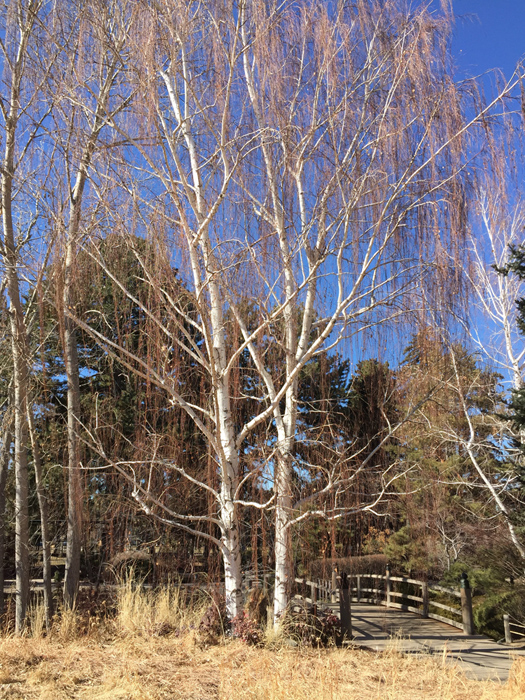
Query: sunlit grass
{"x":150,"y":649}
{"x":158,"y":611}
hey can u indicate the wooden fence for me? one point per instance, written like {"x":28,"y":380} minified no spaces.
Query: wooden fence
{"x":454,"y":607}
{"x":514,"y":631}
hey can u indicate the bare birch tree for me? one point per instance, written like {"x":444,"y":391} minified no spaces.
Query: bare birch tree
{"x":497,"y":223}
{"x":19,"y":94}
{"x":498,"y":220}
{"x":303,"y":167}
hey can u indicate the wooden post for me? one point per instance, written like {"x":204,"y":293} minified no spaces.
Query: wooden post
{"x":358,"y":577}
{"x":388,"y":585}
{"x":269,"y":615}
{"x":424,"y":595}
{"x":334,"y":586}
{"x":508,"y":633}
{"x":466,"y":605}
{"x":344,"y":607}
{"x":313,"y":595}
{"x":153,"y":560}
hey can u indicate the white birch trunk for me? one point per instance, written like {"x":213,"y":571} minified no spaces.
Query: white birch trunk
{"x":20,"y":377}
{"x":44,"y":522}
{"x":228,"y":454}
{"x":74,"y":509}
{"x":283,"y":507}
{"x":19,"y":340}
{"x":206,"y":271}
{"x":232,"y":560}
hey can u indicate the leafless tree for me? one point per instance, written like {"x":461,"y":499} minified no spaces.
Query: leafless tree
{"x":304,"y":169}
{"x":88,"y":94}
{"x":498,"y":220}
{"x":19,"y":96}
{"x":497,"y":223}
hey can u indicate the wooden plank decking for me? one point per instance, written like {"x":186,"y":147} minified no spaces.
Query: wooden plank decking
{"x":380,"y":628}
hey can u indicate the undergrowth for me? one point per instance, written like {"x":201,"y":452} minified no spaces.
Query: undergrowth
{"x":147,"y":644}
{"x":159,"y":612}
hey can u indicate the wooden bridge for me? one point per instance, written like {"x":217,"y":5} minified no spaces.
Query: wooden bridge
{"x":429,"y":600}
{"x":380,"y":611}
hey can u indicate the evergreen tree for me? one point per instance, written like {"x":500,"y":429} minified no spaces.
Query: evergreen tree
{"x":516,"y":265}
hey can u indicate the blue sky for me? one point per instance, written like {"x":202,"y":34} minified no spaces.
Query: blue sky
{"x":489,"y":34}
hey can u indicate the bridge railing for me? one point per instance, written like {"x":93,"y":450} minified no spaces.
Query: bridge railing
{"x":514,"y":631}
{"x":430,"y":600}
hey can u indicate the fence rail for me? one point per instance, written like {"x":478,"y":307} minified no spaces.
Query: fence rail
{"x":426,"y":599}
{"x":512,"y":630}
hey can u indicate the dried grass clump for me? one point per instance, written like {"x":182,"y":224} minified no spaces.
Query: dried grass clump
{"x":92,"y":616}
{"x":159,"y":612}
{"x":36,"y":619}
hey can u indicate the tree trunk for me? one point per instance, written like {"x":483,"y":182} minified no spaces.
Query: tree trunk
{"x":230,"y":540}
{"x":75,"y":496}
{"x":20,"y":379}
{"x":7,"y":439}
{"x":74,"y":513}
{"x":44,"y":522}
{"x":283,"y":489}
{"x":20,"y":346}
{"x":232,"y":570}
{"x":20,"y":462}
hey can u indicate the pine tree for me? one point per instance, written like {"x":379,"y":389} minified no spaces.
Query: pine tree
{"x":516,"y":265}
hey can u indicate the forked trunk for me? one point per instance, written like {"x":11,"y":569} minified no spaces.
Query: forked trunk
{"x":75,"y":496}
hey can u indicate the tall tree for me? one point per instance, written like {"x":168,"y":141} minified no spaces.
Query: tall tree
{"x":284,"y":158}
{"x":516,"y":266}
{"x":91,"y":94}
{"x":313,"y":166}
{"x":23,"y":113}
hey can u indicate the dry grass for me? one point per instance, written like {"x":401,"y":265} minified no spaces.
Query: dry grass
{"x":126,"y":659}
{"x":156,"y":611}
{"x":133,"y":668}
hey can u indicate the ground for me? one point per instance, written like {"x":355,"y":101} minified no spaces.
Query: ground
{"x":133,"y":667}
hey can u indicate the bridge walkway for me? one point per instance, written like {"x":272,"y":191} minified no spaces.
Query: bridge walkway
{"x":379,"y":628}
